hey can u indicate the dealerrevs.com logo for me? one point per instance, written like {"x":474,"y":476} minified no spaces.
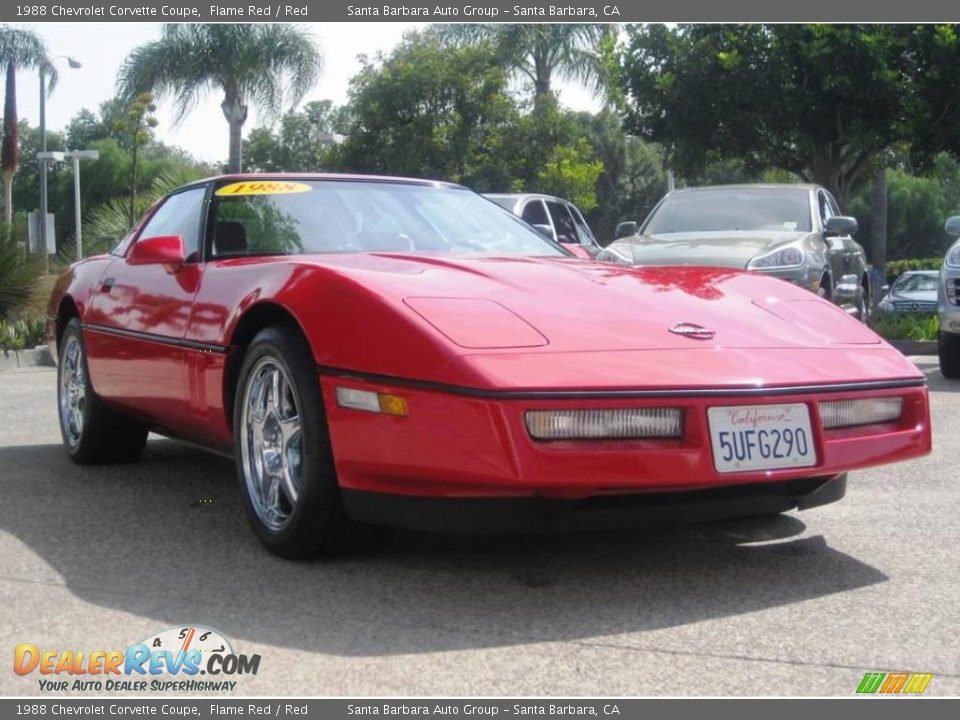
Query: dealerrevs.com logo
{"x":179,"y":659}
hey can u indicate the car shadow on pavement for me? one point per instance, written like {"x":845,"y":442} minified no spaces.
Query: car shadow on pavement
{"x":166,"y":539}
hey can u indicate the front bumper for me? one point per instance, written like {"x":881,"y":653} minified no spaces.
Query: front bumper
{"x":459,"y":445}
{"x":490,"y":516}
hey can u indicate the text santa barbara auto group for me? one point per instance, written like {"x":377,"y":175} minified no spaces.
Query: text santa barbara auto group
{"x":555,"y":11}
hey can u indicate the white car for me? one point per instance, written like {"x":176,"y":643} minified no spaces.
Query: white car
{"x":558,"y":219}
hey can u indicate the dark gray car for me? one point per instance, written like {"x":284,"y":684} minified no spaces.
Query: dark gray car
{"x":794,"y":232}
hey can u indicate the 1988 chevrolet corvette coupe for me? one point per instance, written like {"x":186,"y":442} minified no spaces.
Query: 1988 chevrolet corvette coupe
{"x":381,"y":351}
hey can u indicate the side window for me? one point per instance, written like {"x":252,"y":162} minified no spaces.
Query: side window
{"x":832,"y":204}
{"x":179,"y":215}
{"x":534,"y":213}
{"x":566,"y":230}
{"x":586,"y":237}
{"x":826,"y":212}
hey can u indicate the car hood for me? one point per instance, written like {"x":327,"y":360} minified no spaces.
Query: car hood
{"x":715,"y":249}
{"x":916,"y":296}
{"x":566,"y":304}
{"x":517,"y":322}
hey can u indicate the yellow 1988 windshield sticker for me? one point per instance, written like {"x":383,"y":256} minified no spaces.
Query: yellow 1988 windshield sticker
{"x":263,"y":187}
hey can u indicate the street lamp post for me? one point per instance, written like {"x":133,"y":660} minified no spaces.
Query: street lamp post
{"x":77,"y":156}
{"x":45,"y":158}
{"x":75,"y":64}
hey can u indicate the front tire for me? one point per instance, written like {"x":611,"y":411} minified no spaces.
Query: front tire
{"x":283,"y":453}
{"x":92,"y":432}
{"x":948,"y":348}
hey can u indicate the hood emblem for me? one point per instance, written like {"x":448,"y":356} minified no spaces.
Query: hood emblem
{"x":697,"y":332}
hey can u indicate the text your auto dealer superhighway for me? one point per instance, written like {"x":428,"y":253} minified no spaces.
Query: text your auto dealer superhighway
{"x":141,"y":11}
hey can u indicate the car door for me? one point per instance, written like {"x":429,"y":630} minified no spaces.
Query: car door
{"x":534,"y":213}
{"x":139,"y":313}
{"x":842,"y":253}
{"x":583,"y":230}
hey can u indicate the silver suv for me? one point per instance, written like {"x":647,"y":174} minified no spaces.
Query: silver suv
{"x":948,"y":305}
{"x":793,"y":232}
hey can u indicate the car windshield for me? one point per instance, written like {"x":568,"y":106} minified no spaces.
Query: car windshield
{"x":292,"y":217}
{"x":503,"y":201}
{"x":731,"y":210}
{"x":915,"y":283}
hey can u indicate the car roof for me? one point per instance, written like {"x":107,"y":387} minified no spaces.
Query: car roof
{"x":920,"y":272}
{"x":752,"y":186}
{"x":239,"y":177}
{"x":524,"y":196}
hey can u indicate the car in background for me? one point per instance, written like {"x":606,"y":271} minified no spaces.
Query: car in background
{"x":558,"y":219}
{"x":915,"y":291}
{"x":948,"y":305}
{"x":793,"y":232}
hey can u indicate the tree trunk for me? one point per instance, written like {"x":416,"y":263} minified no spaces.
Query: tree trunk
{"x":10,"y":152}
{"x":8,"y":201}
{"x":133,"y":184}
{"x":235,"y":111}
{"x":878,"y":219}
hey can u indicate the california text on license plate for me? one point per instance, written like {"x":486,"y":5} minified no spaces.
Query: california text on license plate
{"x":761,"y":437}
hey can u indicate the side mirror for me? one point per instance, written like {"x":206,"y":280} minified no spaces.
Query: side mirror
{"x":545,"y":230}
{"x":158,"y":250}
{"x":841,"y":225}
{"x":952,"y":226}
{"x":884,"y":289}
{"x":625,"y":229}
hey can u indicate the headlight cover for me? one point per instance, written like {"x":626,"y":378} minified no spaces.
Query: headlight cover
{"x":783,"y":257}
{"x":953,"y":256}
{"x":614,"y":423}
{"x":866,"y":411}
{"x":612,"y":256}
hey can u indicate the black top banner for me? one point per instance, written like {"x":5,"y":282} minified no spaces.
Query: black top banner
{"x":460,"y":11}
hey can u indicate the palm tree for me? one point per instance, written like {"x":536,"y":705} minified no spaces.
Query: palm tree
{"x":539,"y":52}
{"x":18,"y":48}
{"x":263,"y":64}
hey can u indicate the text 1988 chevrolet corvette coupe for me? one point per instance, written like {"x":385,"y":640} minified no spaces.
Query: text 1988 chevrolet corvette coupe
{"x":380,"y":351}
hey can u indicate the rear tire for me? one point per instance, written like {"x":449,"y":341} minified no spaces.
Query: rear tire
{"x":948,"y":347}
{"x":92,"y":432}
{"x":283,"y":453}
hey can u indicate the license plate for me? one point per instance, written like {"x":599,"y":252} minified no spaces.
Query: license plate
{"x":761,"y":437}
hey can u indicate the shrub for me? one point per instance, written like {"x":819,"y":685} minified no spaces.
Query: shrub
{"x":896,"y":268}
{"x":20,"y":334}
{"x":18,"y":275}
{"x":905,"y":326}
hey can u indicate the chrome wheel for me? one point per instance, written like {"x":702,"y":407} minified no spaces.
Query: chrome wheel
{"x":73,"y":391}
{"x":270,"y":444}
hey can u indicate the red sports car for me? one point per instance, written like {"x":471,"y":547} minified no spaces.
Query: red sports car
{"x":381,"y":351}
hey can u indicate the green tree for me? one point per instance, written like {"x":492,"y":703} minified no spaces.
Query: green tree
{"x":570,"y":172}
{"x":18,"y":48}
{"x":301,"y":142}
{"x":633,"y":177}
{"x":264,"y":64}
{"x":540,"y":52}
{"x":917,"y":207}
{"x":820,"y":101}
{"x":137,"y":125}
{"x":431,"y":111}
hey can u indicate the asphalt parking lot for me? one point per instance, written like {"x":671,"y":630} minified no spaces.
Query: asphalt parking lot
{"x":99,"y":558}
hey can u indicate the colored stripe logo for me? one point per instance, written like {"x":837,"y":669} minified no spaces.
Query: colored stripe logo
{"x":898,"y":683}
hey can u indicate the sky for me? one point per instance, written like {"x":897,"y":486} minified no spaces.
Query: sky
{"x":102,"y":48}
